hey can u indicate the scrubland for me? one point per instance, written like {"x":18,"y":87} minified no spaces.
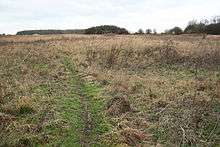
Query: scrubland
{"x":109,"y":90}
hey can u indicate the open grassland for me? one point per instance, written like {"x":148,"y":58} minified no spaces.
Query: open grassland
{"x":78,"y":90}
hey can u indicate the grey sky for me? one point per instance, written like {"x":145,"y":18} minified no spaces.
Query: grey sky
{"x":17,"y":15}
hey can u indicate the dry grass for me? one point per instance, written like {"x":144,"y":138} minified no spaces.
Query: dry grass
{"x":160,"y":90}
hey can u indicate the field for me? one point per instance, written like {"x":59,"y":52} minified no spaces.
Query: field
{"x":109,"y":90}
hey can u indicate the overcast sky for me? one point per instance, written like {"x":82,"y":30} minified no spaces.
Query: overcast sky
{"x":17,"y":15}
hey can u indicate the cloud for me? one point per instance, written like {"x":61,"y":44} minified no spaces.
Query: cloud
{"x":16,"y":15}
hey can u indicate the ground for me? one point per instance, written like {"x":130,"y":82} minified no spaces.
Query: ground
{"x":109,"y":90}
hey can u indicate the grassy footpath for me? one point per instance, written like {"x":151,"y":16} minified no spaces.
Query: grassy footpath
{"x":82,"y":110}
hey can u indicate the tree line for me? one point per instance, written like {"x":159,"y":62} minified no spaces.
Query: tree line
{"x":47,"y":32}
{"x":205,"y":26}
{"x":104,"y":29}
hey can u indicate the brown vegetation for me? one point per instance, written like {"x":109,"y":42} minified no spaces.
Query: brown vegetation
{"x":157,"y":89}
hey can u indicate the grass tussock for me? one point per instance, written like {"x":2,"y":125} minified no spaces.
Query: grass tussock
{"x":24,"y":105}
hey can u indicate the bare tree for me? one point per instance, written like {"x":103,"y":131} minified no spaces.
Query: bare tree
{"x":148,"y":31}
{"x":203,"y":24}
{"x":140,"y":31}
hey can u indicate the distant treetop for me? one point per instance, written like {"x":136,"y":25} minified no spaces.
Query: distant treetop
{"x":106,"y":29}
{"x":175,"y":31}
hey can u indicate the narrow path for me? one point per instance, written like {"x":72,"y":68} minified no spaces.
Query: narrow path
{"x":86,"y":114}
{"x":91,"y":108}
{"x":86,"y":140}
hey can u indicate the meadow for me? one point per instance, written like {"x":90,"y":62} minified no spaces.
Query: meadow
{"x":110,"y":90}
